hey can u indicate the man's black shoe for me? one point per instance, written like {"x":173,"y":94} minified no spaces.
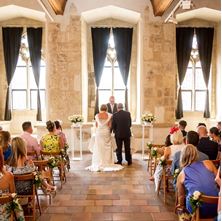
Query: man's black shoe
{"x":129,"y":163}
{"x":118,"y":163}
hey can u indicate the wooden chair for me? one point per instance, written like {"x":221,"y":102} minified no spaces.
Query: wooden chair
{"x":152,"y":161}
{"x":6,"y":199}
{"x":205,"y":199}
{"x":25,"y":188}
{"x":61,"y":166}
{"x":164,"y":181}
{"x":42,"y":166}
{"x":32,"y":154}
{"x":216,"y":163}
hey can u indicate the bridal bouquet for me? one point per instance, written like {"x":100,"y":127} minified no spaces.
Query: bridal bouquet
{"x":148,"y":118}
{"x":76,"y":119}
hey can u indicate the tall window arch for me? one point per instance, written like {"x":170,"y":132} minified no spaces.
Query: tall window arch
{"x":23,"y":86}
{"x":193,"y":87}
{"x":111,"y":82}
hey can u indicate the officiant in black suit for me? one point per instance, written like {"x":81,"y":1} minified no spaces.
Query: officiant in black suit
{"x":112,"y":106}
{"x":121,"y":125}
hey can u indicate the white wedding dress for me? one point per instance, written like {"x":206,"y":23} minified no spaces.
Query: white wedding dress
{"x":102,"y":157}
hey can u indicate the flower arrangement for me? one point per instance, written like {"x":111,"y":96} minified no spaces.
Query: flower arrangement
{"x":195,"y":200}
{"x":16,"y":208}
{"x":154,"y":152}
{"x":149,"y":145}
{"x":162,"y":161}
{"x":37,"y":179}
{"x":76,"y":119}
{"x":148,"y":118}
{"x":176,"y":173}
{"x":174,"y":129}
{"x":53,"y":162}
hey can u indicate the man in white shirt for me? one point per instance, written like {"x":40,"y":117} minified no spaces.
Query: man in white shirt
{"x":112,"y":106}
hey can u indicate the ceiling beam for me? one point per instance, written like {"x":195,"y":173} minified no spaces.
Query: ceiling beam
{"x":160,"y":6}
{"x":58,"y":6}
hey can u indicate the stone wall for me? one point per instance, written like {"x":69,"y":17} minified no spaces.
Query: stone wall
{"x":159,"y":69}
{"x":64,"y":69}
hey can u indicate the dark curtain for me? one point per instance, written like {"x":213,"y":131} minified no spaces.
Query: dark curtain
{"x":100,"y":39}
{"x":11,"y":45}
{"x":35,"y":46}
{"x":123,"y":46}
{"x":184,"y":40}
{"x":205,"y":43}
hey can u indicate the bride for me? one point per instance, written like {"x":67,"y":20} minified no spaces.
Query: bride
{"x":103,"y":158}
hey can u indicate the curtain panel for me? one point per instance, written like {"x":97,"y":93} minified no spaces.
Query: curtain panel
{"x":100,"y":39}
{"x":184,"y":40}
{"x":35,"y":46}
{"x":205,"y":44}
{"x":11,"y":45}
{"x":123,"y":45}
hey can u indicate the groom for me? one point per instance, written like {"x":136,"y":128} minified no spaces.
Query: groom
{"x":121,"y":124}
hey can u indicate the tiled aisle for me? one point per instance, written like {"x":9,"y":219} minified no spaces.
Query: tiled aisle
{"x":124,"y":195}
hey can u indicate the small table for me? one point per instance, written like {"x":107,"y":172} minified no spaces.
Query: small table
{"x":74,"y":138}
{"x":150,"y":127}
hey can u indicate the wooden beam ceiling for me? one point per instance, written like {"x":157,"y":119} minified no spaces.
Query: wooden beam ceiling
{"x":58,"y":6}
{"x":160,"y":6}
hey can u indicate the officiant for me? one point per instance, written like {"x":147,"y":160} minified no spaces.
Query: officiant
{"x":112,"y":106}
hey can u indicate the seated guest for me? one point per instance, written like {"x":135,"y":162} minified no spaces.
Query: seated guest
{"x":182,"y":126}
{"x":206,"y":145}
{"x":196,"y":176}
{"x":7,"y":186}
{"x":176,"y":138}
{"x":219,"y":127}
{"x":167,"y":141}
{"x":31,"y":142}
{"x":5,"y":139}
{"x":64,"y":141}
{"x":191,"y":138}
{"x":6,"y":178}
{"x":20,"y":164}
{"x":60,"y":133}
{"x":51,"y":142}
{"x":201,"y":124}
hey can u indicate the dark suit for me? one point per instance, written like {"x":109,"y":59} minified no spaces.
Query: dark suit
{"x":121,"y":125}
{"x":209,"y":147}
{"x":110,"y":109}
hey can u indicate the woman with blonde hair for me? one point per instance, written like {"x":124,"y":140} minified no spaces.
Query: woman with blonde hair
{"x":20,"y":164}
{"x":196,"y":176}
{"x":103,"y":158}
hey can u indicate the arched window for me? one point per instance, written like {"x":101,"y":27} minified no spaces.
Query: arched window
{"x":111,"y":81}
{"x":194,"y":87}
{"x":23,"y":86}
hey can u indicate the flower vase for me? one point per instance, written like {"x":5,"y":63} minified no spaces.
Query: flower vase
{"x":77,"y":124}
{"x":146,"y":123}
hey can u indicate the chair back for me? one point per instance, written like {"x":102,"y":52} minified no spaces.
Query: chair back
{"x":32,"y":154}
{"x":5,"y":199}
{"x":24,"y":184}
{"x":216,"y":163}
{"x":50,"y":154}
{"x":205,"y":199}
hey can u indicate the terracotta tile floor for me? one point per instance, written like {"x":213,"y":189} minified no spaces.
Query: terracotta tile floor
{"x":123,"y":195}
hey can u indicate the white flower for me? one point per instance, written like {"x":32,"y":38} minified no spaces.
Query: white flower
{"x":162,"y":158}
{"x":196,"y":195}
{"x":177,"y":171}
{"x":13,"y":195}
{"x":155,"y":148}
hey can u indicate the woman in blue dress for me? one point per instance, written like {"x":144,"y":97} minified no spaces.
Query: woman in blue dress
{"x":196,"y":176}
